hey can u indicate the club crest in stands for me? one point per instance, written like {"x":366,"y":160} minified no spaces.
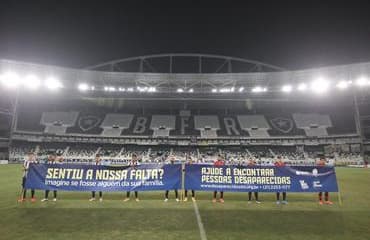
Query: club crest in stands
{"x":89,"y":122}
{"x":284,"y":125}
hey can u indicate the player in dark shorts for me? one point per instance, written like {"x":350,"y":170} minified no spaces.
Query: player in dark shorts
{"x":172,"y":161}
{"x":252,"y":163}
{"x":219,"y":163}
{"x":322,"y":163}
{"x":97,"y":162}
{"x":190,"y":161}
{"x":52,"y":159}
{"x":31,"y":158}
{"x":279,"y":163}
{"x":133,"y":164}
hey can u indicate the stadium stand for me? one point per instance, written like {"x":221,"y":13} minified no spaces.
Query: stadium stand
{"x":113,"y":124}
{"x":207,"y":125}
{"x":121,"y":154}
{"x":255,"y":125}
{"x":162,"y":125}
{"x":314,"y":125}
{"x":204,"y":126}
{"x":58,"y":122}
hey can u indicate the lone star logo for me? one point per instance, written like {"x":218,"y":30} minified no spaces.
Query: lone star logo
{"x":284,"y":125}
{"x":87,"y":123}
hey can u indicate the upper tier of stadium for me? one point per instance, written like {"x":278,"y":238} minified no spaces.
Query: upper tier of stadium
{"x":191,"y":76}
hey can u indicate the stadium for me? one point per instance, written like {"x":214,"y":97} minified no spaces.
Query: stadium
{"x":169,"y":108}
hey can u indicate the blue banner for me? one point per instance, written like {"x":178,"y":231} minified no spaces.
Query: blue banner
{"x":260,"y":178}
{"x":76,"y":177}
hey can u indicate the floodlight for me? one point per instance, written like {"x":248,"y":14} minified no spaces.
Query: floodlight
{"x":343,"y":84}
{"x":152,"y":89}
{"x":319,"y":85}
{"x":180,"y":90}
{"x":191,"y":90}
{"x":83,"y":87}
{"x":31,"y":82}
{"x":287,"y":88}
{"x":241,"y":89}
{"x":10,"y":79}
{"x":53,"y":84}
{"x":362,"y":81}
{"x":214,"y":90}
{"x":109,"y":89}
{"x":259,"y":89}
{"x":302,"y":87}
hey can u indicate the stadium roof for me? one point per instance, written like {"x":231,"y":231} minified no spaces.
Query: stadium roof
{"x":187,"y":85}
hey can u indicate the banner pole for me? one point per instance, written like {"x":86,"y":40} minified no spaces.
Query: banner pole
{"x":182,"y":181}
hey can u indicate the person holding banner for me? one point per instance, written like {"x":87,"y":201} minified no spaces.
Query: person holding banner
{"x":252,"y":163}
{"x":280,"y":163}
{"x":31,"y":158}
{"x":190,"y":161}
{"x":322,"y":163}
{"x":133,"y":164}
{"x":172,"y":161}
{"x":219,"y":163}
{"x":97,"y":162}
{"x":52,"y":159}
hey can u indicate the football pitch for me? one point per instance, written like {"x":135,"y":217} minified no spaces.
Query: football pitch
{"x":74,"y":217}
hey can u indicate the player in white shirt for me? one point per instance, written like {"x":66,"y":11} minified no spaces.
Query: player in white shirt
{"x":97,"y":162}
{"x":53,"y":159}
{"x":134,"y":162}
{"x":31,"y":158}
{"x":190,"y":161}
{"x":172,"y":161}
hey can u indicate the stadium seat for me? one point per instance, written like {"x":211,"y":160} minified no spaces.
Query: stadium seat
{"x":313,"y":124}
{"x":58,"y":122}
{"x":255,"y":125}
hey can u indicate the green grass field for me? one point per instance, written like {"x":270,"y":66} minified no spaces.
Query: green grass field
{"x":74,"y":217}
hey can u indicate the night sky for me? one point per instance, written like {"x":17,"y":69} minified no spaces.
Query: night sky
{"x":293,"y":35}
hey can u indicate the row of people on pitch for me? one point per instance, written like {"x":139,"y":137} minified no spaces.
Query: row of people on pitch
{"x":134,"y":162}
{"x":31,"y":158}
{"x":53,"y":158}
{"x":93,"y":198}
{"x":278,"y":163}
